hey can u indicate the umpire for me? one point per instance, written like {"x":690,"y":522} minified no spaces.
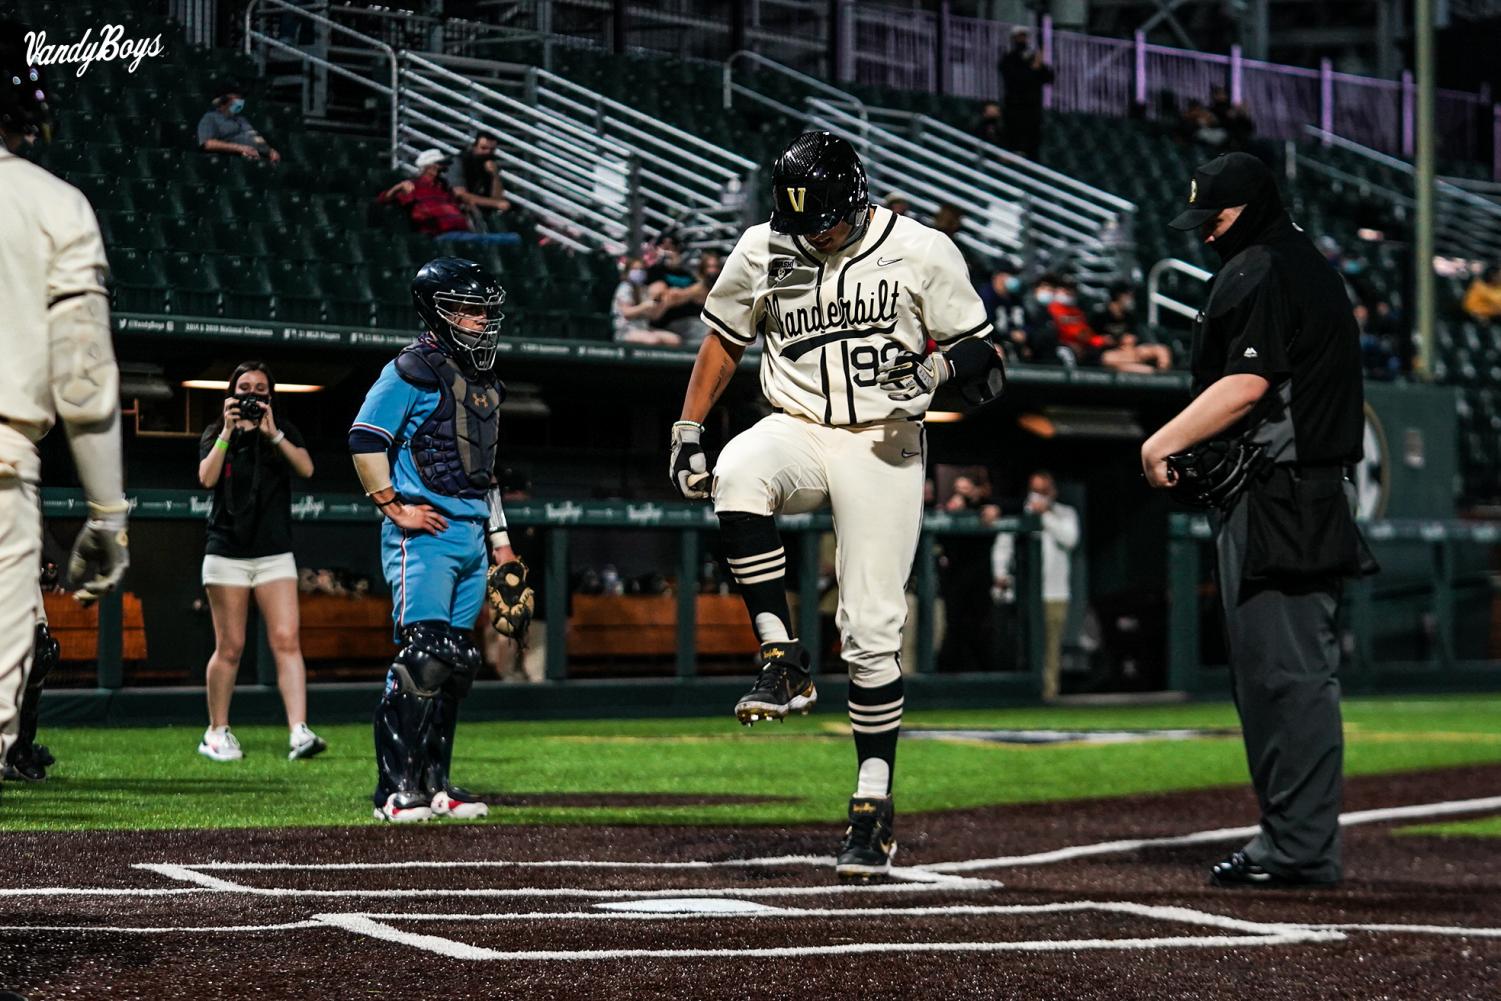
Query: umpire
{"x":1278,"y":403}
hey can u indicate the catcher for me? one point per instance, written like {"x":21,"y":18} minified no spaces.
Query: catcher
{"x":424,"y":446}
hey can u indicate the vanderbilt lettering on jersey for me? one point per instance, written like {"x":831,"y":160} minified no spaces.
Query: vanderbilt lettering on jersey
{"x":832,"y":321}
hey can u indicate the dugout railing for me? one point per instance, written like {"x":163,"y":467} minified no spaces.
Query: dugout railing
{"x":684,"y":689}
{"x":1427,"y":622}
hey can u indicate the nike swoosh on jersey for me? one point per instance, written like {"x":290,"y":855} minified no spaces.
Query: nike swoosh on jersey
{"x":907,"y":455}
{"x":881,"y":262}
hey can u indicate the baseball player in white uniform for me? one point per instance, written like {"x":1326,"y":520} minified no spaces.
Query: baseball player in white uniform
{"x":59,"y":365}
{"x":864,"y":314}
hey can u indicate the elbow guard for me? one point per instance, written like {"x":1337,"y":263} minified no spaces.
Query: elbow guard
{"x":85,"y":379}
{"x":979,"y":371}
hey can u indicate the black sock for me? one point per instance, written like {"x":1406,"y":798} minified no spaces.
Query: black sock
{"x":753,"y":551}
{"x":876,"y":720}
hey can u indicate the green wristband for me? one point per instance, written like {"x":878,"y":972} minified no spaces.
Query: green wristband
{"x":220,"y":443}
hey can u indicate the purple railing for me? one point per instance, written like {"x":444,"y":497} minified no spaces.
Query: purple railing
{"x":1109,"y":76}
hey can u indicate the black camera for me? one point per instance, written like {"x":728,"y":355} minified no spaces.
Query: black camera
{"x":252,"y":407}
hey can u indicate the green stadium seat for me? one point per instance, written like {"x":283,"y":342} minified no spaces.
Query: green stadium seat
{"x":247,"y":287}
{"x":192,"y":282}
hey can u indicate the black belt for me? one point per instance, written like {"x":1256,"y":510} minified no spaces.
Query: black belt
{"x":1323,"y":470}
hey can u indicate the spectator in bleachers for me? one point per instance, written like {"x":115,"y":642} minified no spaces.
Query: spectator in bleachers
{"x":431,"y":205}
{"x":1482,"y":299}
{"x":1232,"y":119}
{"x":1121,"y":348}
{"x":898,"y":202}
{"x":1004,"y":297}
{"x":225,"y":129}
{"x":949,"y":220}
{"x":474,"y":177}
{"x":1023,"y":75}
{"x":1378,"y":350}
{"x":634,"y":313}
{"x":1198,"y":124}
{"x":670,"y":283}
{"x":990,"y":127}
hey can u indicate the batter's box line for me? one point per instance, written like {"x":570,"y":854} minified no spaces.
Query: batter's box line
{"x":904,"y":880}
{"x":1255,"y":934}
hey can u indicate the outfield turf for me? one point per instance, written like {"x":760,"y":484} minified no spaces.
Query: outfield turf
{"x":152,"y":778}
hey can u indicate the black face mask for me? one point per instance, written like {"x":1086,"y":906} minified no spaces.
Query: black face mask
{"x":1262,"y":214}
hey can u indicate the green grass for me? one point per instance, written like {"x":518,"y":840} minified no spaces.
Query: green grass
{"x":1485,"y":827}
{"x":151,"y":778}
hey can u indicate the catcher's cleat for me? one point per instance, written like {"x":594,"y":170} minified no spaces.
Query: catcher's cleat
{"x":784,"y":685}
{"x":404,"y":808}
{"x":868,"y":845}
{"x":459,"y":804}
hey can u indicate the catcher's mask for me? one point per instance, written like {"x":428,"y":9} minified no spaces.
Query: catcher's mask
{"x":1212,"y":475}
{"x":460,"y":302}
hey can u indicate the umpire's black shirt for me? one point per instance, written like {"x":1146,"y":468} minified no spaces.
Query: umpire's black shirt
{"x":1277,"y":309}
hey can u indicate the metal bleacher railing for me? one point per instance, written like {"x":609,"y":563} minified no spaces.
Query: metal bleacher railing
{"x":1013,"y":206}
{"x":1467,"y":223}
{"x":596,"y":173}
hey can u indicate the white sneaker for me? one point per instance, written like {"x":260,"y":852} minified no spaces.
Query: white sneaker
{"x":220,"y":745}
{"x":459,"y":805}
{"x":305,"y":743}
{"x":397,"y":814}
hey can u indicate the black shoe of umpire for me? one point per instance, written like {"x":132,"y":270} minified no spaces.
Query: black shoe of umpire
{"x":24,"y":764}
{"x":1239,"y":872}
{"x":784,"y":685}
{"x":869,"y":843}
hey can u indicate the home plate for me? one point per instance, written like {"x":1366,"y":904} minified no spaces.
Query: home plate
{"x":690,"y":905}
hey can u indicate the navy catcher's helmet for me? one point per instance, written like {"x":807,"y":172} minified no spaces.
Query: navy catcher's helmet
{"x":23,"y":95}
{"x":460,"y":302}
{"x":817,"y":182}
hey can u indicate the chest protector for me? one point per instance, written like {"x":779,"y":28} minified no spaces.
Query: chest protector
{"x":454,"y":449}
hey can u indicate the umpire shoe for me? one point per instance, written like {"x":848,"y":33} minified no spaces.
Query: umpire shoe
{"x":459,"y":804}
{"x":869,"y":844}
{"x":404,"y":808}
{"x":1239,"y":872}
{"x":784,"y":685}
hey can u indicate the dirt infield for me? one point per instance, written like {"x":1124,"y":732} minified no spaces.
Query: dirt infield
{"x":1094,"y":899}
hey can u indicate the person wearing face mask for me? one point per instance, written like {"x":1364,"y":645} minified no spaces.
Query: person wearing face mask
{"x":225,"y":129}
{"x":248,"y":458}
{"x":633,"y":311}
{"x":1060,"y":534}
{"x":1005,"y":303}
{"x":1276,"y":376}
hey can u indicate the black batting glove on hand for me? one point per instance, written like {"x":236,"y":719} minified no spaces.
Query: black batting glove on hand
{"x":100,"y":556}
{"x":910,"y":375}
{"x":689,"y":467}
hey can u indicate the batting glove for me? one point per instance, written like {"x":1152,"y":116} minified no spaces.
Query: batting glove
{"x":100,"y":553}
{"x":910,"y":375}
{"x":689,"y":466}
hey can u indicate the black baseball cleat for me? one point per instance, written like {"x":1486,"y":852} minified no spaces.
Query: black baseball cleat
{"x":784,"y":685}
{"x":869,"y":845}
{"x":26,"y":765}
{"x":1239,"y":872}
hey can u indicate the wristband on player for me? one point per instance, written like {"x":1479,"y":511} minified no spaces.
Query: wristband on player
{"x":499,"y":538}
{"x":121,"y":506}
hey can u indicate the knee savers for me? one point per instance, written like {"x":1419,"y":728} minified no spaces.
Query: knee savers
{"x":434,"y":657}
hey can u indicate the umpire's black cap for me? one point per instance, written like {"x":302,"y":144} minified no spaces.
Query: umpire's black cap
{"x":1224,"y":182}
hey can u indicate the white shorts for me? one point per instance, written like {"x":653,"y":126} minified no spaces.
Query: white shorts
{"x":251,"y":572}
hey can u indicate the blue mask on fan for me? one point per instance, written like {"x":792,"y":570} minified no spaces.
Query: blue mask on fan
{"x":236,"y":106}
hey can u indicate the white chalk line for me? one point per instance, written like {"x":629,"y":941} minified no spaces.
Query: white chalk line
{"x":364,"y":925}
{"x":1415,"y":811}
{"x":775,"y":860}
{"x":134,"y":930}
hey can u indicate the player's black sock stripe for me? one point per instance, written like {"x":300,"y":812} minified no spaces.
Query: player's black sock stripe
{"x":749,"y":541}
{"x":877,"y":738}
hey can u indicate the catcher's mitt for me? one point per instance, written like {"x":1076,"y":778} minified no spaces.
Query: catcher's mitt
{"x":1213,"y":474}
{"x":512,"y":602}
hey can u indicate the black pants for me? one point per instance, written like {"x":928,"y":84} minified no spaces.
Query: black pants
{"x":1284,"y":655}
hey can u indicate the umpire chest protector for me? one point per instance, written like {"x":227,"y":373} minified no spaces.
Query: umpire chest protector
{"x":454,"y":449}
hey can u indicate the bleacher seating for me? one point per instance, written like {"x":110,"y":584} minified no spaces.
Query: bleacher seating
{"x":212,"y":235}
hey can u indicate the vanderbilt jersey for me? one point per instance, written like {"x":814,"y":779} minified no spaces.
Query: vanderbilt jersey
{"x":49,"y":249}
{"x":832,"y":322}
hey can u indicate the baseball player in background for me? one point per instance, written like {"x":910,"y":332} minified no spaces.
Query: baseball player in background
{"x":864,"y":314}
{"x":59,"y":365}
{"x":424,"y":446}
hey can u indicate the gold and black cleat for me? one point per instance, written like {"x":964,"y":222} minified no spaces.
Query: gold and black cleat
{"x":869,"y":844}
{"x":783,"y":686}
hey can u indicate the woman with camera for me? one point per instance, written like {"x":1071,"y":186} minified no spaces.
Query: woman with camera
{"x":247,"y":459}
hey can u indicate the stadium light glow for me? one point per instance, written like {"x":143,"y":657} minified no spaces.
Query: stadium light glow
{"x":943,"y":416}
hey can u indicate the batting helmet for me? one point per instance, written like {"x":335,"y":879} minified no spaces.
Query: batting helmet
{"x":460,"y":302}
{"x":23,"y":97}
{"x":817,"y":182}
